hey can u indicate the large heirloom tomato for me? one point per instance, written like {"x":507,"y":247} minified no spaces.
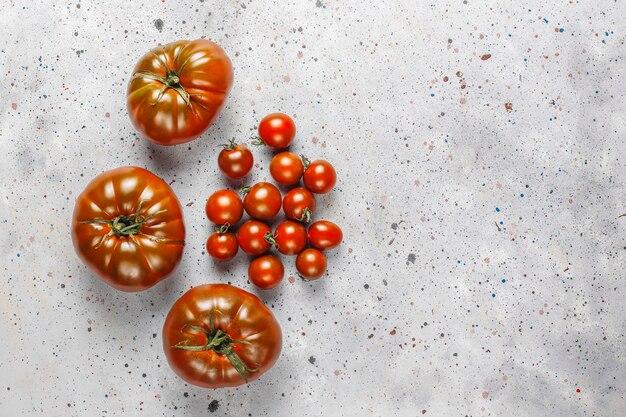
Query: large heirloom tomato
{"x":128,"y":228}
{"x":177,"y":90}
{"x":218,"y":335}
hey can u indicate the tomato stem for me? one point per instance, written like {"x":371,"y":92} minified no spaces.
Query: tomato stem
{"x":305,"y":161}
{"x":223,"y":228}
{"x":306,"y":215}
{"x":230,"y":145}
{"x":269,"y":238}
{"x":258,"y":142}
{"x":245,"y":190}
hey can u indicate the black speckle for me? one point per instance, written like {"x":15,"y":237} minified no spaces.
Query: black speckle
{"x":410,"y":258}
{"x":312,"y":360}
{"x":394,"y":226}
{"x":319,"y":3}
{"x":186,"y":394}
{"x":159,"y":25}
{"x":366,"y":286}
{"x":214,"y":405}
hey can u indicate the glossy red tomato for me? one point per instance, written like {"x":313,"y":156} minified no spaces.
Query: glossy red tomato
{"x":299,"y":204}
{"x":177,"y":90}
{"x":217,"y":335}
{"x":262,"y":201}
{"x":324,"y":235}
{"x":128,"y":228}
{"x":222,"y":246}
{"x":286,"y":168}
{"x":277,"y":130}
{"x":266,"y":272}
{"x":252,"y":237}
{"x":235,"y":161}
{"x":320,"y":177}
{"x":224,"y":207}
{"x":289,"y":237}
{"x":311,"y":264}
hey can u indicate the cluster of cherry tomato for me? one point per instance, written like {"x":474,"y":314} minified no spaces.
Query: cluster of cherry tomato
{"x":263,"y":201}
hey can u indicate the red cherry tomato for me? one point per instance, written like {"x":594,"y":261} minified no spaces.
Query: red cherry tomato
{"x":262,"y":201}
{"x":222,"y":246}
{"x":324,"y":235}
{"x":235,"y":161}
{"x":320,"y":177}
{"x":277,"y":130}
{"x":289,"y":237}
{"x":299,"y":204}
{"x":266,"y":272}
{"x":224,"y":207}
{"x":286,"y":168}
{"x":311,"y":264}
{"x":252,"y":237}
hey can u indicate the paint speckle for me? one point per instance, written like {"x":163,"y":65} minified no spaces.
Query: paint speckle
{"x":485,"y":57}
{"x":158,"y":24}
{"x":213,"y":406}
{"x":508,"y":107}
{"x":14,"y":106}
{"x":410,"y":258}
{"x":485,"y":394}
{"x":312,"y":360}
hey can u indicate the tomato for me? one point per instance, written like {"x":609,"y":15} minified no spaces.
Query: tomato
{"x":324,"y":235}
{"x":252,"y":237}
{"x":128,"y":228}
{"x":235,"y":161}
{"x":311,"y":264}
{"x":286,"y":168}
{"x":177,"y":90}
{"x":222,"y":245}
{"x":299,"y":204}
{"x":289,"y":237}
{"x":218,"y":335}
{"x":277,"y":130}
{"x":262,"y":201}
{"x":320,"y":177}
{"x":224,"y":207}
{"x":266,"y":272}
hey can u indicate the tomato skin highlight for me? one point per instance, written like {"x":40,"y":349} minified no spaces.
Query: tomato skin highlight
{"x":177,"y":90}
{"x":266,"y":272}
{"x":235,"y":161}
{"x":237,"y":313}
{"x":263,"y":201}
{"x":277,"y":130}
{"x":286,"y":168}
{"x":251,"y":237}
{"x":222,"y":246}
{"x":122,"y":199}
{"x":299,"y":204}
{"x":311,"y":264}
{"x":290,"y":237}
{"x":224,"y":207}
{"x":320,"y":177}
{"x":324,"y":235}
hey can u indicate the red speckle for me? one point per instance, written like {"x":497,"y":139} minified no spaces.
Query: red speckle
{"x":485,"y":57}
{"x":171,"y":182}
{"x":337,"y":372}
{"x":315,"y":140}
{"x":349,"y":250}
{"x":485,"y":395}
{"x":45,"y":196}
{"x":291,"y":280}
{"x":107,"y":115}
{"x":14,"y":106}
{"x":462,"y":100}
{"x":393,"y":332}
{"x":158,"y":395}
{"x":69,"y":276}
{"x":577,"y":389}
{"x":487,"y":260}
{"x":508,"y":107}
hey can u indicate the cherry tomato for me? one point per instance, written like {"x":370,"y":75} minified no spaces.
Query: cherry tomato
{"x":324,"y":235}
{"x":311,"y":264}
{"x":222,"y":246}
{"x":252,"y":237}
{"x":286,"y":168}
{"x":235,"y":161}
{"x":262,"y":201}
{"x":289,"y":237}
{"x":224,"y":207}
{"x":277,"y":130}
{"x":218,"y":335}
{"x":320,"y":177}
{"x":266,"y":271}
{"x":299,"y":204}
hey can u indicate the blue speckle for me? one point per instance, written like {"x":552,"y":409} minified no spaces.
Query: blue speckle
{"x":497,"y":210}
{"x":561,"y":30}
{"x":522,"y":195}
{"x":501,"y":222}
{"x":503,"y":280}
{"x":545,"y":20}
{"x":493,"y":295}
{"x":432,"y":94}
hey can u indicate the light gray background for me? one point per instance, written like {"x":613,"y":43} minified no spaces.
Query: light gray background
{"x":443,"y":192}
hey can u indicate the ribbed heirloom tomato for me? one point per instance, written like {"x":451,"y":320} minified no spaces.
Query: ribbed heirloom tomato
{"x":177,"y":90}
{"x":128,"y":228}
{"x":218,"y":335}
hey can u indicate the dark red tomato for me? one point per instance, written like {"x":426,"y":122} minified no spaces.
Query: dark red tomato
{"x":289,"y":237}
{"x":266,"y":272}
{"x":224,"y":207}
{"x":277,"y":130}
{"x":286,"y":168}
{"x":222,"y":246}
{"x":235,"y":161}
{"x":252,"y":237}
{"x":311,"y":264}
{"x":299,"y":204}
{"x":217,"y":335}
{"x":320,"y":177}
{"x":262,"y":201}
{"x":324,"y":235}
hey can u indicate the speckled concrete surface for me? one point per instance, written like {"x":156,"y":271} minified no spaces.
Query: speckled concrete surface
{"x":481,"y":157}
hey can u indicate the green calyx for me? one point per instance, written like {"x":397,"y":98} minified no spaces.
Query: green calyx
{"x":305,"y":161}
{"x":306,"y":215}
{"x":230,"y":145}
{"x":220,"y":343}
